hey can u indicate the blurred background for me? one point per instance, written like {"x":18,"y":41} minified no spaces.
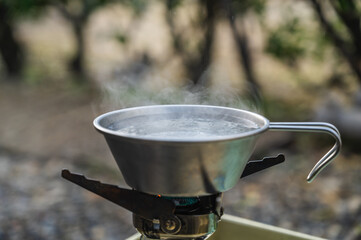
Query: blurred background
{"x":64,"y":62}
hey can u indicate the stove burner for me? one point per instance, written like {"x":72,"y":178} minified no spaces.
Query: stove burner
{"x":168,"y":217}
{"x":188,"y":227}
{"x":196,"y":218}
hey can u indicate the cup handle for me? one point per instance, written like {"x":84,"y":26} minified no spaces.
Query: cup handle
{"x":319,"y":127}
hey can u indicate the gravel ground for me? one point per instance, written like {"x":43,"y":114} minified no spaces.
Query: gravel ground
{"x":329,"y":207}
{"x":36,"y":203}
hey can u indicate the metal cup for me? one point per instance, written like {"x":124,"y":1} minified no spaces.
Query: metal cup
{"x":194,"y":167}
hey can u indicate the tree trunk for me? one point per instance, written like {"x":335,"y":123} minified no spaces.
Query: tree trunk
{"x":76,"y":64}
{"x":196,"y":70}
{"x":353,"y":60}
{"x":195,"y":65}
{"x":10,"y":49}
{"x":247,"y":62}
{"x":241,"y":39}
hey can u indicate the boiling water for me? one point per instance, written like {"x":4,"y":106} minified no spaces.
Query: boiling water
{"x":185,"y":128}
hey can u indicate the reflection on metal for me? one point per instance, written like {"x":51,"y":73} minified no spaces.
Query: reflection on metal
{"x":235,"y":228}
{"x":181,"y":167}
{"x":314,"y":127}
{"x":185,"y":227}
{"x":194,"y":167}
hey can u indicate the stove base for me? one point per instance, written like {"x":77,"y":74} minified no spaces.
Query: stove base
{"x":177,"y":227}
{"x":235,"y":228}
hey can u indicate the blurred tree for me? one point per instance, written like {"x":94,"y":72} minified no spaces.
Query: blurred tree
{"x":78,"y":12}
{"x":236,"y":12}
{"x":349,"y":19}
{"x":197,"y":60}
{"x":11,"y":49}
{"x":287,"y":42}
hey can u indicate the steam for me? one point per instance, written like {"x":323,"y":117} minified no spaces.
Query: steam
{"x":145,"y":88}
{"x":128,"y":92}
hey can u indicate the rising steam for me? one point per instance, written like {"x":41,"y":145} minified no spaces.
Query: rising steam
{"x":130,"y":93}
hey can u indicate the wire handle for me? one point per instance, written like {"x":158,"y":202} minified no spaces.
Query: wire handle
{"x":318,"y":127}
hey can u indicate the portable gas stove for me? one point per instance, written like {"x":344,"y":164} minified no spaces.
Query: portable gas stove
{"x":179,"y":159}
{"x":162,"y":217}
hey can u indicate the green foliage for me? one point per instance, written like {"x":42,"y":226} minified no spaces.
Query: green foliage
{"x":138,"y":6}
{"x":81,"y":8}
{"x":292,"y":110}
{"x":173,"y":4}
{"x":321,"y":44}
{"x":121,"y":38}
{"x":287,"y":42}
{"x":87,"y":3}
{"x":345,"y":5}
{"x":241,"y":7}
{"x":340,"y":28}
{"x":294,"y":40}
{"x":31,"y":8}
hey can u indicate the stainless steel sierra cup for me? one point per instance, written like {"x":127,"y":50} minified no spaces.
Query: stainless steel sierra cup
{"x":193,"y":166}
